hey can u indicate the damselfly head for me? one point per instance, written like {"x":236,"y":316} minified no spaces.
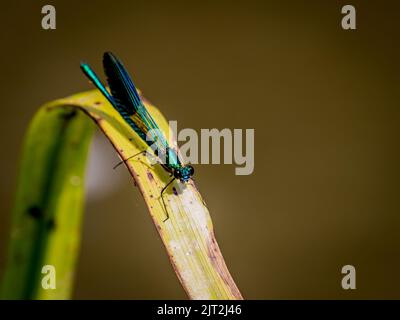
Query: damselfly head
{"x":184,"y":173}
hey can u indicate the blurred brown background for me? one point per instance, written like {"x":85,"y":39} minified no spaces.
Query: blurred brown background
{"x":325,"y":106}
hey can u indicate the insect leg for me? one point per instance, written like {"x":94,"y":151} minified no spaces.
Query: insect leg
{"x":162,"y":198}
{"x":124,"y":161}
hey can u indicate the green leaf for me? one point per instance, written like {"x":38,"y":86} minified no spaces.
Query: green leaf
{"x":46,"y":222}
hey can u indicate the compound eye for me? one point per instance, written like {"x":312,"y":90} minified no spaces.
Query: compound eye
{"x":191,"y":170}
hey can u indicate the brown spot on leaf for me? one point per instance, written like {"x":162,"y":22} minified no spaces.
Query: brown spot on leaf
{"x":69,"y":115}
{"x":35,"y":212}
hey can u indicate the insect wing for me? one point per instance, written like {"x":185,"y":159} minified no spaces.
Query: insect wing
{"x":127,"y":98}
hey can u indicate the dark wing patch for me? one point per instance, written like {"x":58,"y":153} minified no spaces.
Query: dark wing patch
{"x":121,"y":85}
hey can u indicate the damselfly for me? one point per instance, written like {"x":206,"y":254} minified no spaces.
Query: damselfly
{"x":126,"y":100}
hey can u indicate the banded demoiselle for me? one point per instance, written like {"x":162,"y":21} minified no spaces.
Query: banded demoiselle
{"x":126,"y":100}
